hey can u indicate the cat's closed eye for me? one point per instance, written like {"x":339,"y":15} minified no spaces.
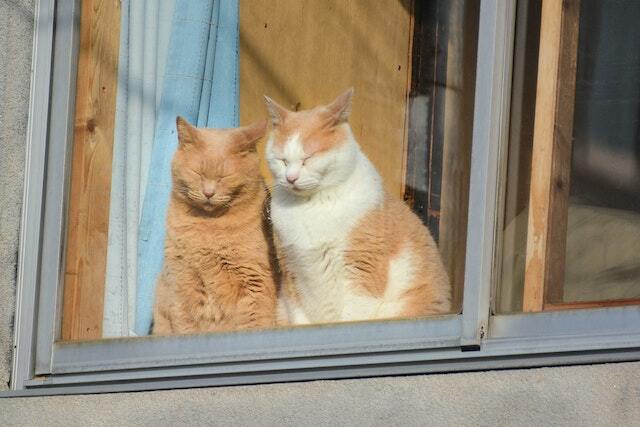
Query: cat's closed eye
{"x":284,"y":161}
{"x":228,"y":178}
{"x":194,"y":173}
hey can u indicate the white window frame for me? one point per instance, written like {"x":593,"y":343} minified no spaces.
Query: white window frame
{"x":472,"y":340}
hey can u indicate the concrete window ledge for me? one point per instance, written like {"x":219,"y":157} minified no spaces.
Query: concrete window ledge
{"x":607,"y":394}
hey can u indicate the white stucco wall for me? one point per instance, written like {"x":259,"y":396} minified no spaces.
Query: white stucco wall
{"x":580,"y":395}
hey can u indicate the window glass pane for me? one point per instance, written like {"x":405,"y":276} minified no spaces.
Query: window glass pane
{"x":581,"y":246}
{"x":318,"y":204}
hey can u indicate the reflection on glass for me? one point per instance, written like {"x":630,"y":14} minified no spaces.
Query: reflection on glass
{"x":602,"y":256}
{"x":193,"y":243}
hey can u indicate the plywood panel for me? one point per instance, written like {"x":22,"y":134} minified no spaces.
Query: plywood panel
{"x":551,"y":159}
{"x":304,"y":53}
{"x":88,"y":215}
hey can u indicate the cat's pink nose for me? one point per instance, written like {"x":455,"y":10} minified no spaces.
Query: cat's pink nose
{"x":208,"y":189}
{"x":292,"y":178}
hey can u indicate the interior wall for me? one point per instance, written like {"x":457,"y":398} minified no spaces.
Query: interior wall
{"x":16,"y":36}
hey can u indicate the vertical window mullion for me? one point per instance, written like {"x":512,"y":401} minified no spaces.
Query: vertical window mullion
{"x":60,"y":137}
{"x":490,"y":130}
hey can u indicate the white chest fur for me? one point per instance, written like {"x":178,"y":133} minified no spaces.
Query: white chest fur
{"x":314,"y":233}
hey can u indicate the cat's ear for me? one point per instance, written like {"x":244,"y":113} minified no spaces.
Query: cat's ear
{"x":251,"y":134}
{"x":186,"y":131}
{"x":277,"y":112}
{"x":340,"y":109}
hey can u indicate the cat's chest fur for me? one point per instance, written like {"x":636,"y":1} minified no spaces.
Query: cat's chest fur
{"x":314,"y":235}
{"x":213,"y":253}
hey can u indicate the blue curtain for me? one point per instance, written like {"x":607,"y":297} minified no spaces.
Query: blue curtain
{"x":200,"y":83}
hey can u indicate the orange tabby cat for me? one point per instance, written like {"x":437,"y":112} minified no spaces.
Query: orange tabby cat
{"x":217,"y":273}
{"x":348,"y":249}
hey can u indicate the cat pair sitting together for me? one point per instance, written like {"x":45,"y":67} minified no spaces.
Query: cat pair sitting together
{"x":329,"y":244}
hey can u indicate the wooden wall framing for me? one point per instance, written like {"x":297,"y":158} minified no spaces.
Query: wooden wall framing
{"x":88,"y":216}
{"x":551,"y":159}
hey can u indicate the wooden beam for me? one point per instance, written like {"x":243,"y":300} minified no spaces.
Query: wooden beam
{"x":88,"y":214}
{"x":551,"y":159}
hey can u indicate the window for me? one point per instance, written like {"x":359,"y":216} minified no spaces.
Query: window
{"x":571,"y":220}
{"x":212,"y":62}
{"x":445,"y":81}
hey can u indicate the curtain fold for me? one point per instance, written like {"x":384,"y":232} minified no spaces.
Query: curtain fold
{"x":177,"y":57}
{"x":144,"y":41}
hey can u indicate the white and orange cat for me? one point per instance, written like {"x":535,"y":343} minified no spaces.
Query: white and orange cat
{"x":347,"y":249}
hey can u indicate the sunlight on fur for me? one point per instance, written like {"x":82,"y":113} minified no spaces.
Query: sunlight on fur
{"x":341,"y":248}
{"x":218,"y":270}
{"x":347,"y":249}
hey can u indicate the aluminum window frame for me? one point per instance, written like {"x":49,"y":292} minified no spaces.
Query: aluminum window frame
{"x":469,"y":341}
